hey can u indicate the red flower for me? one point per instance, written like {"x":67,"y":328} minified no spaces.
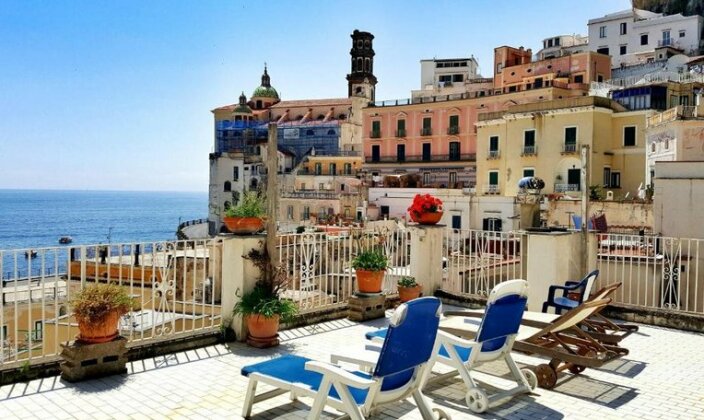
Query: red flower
{"x":424,"y":204}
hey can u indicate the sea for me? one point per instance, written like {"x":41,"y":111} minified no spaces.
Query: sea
{"x":34,"y":219}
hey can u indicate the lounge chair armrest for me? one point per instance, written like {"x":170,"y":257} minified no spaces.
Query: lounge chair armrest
{"x":571,"y":283}
{"x":555,"y":287}
{"x":453,"y":340}
{"x":338,"y":374}
{"x":372,"y":353}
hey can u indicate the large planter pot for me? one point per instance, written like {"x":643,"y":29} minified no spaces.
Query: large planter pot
{"x":244,"y":225}
{"x":369,"y":281}
{"x":409,"y":293}
{"x":261,"y":327}
{"x":99,"y":332}
{"x":427,"y":218}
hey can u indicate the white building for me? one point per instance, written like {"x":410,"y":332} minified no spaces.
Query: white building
{"x":557,"y":46}
{"x":450,"y":76}
{"x":631,"y":36}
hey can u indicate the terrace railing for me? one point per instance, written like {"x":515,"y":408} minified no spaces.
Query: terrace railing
{"x":175,"y":284}
{"x":476,"y":260}
{"x":655,"y":272}
{"x":319,"y":265}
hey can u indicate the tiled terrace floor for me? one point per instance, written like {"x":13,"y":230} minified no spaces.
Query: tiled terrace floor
{"x":662,"y":377}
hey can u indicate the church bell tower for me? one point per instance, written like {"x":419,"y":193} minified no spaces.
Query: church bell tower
{"x":361,"y":81}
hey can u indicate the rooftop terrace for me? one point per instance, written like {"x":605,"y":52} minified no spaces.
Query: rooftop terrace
{"x":660,"y":378}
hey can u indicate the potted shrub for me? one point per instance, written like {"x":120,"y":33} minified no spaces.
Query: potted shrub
{"x":408,"y":289}
{"x":98,"y":308}
{"x":263,"y":309}
{"x":370,"y":266}
{"x":425,"y":209}
{"x":247,"y":216}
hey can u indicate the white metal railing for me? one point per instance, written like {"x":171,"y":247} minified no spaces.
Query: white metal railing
{"x":175,"y":284}
{"x":566,"y":187}
{"x":491,"y":189}
{"x":655,"y":272}
{"x":319,"y":265}
{"x":476,"y":261}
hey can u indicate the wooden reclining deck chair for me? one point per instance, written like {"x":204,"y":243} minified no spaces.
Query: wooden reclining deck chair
{"x":567,"y":345}
{"x":397,"y":374}
{"x":598,"y":326}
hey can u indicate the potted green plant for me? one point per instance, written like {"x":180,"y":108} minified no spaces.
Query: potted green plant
{"x":262,"y":308}
{"x":370,"y":266}
{"x":98,"y":308}
{"x":247,"y":216}
{"x":408,"y":289}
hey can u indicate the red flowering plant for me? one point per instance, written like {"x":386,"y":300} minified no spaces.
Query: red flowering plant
{"x":424,"y":204}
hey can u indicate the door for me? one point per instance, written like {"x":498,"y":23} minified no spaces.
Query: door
{"x":456,"y":222}
{"x":375,"y":153}
{"x":401,"y":152}
{"x":455,"y":150}
{"x":574,"y":179}
{"x":426,"y":151}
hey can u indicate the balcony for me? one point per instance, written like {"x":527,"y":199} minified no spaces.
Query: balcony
{"x":401,"y":132}
{"x":311,"y":194}
{"x":569,"y":148}
{"x":426,"y":131}
{"x":667,"y":42}
{"x":562,"y":188}
{"x":455,"y":129}
{"x":493,"y":154}
{"x":464,"y":157}
{"x":529,"y":150}
{"x":491,"y":189}
{"x":375,"y":134}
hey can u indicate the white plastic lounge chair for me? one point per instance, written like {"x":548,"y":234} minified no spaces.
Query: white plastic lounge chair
{"x":495,"y":336}
{"x":397,"y":374}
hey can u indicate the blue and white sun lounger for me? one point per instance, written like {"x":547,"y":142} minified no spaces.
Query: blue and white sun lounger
{"x":494,"y":340}
{"x":398,"y":372}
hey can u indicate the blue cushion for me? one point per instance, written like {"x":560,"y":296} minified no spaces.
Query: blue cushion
{"x":291,"y":368}
{"x":463,"y":352}
{"x":380,"y":333}
{"x":563,"y":301}
{"x":502,"y":317}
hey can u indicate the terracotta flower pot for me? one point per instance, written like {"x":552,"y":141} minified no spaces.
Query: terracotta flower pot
{"x":244,"y":225}
{"x":369,"y":281}
{"x":99,"y":332}
{"x":427,"y":218}
{"x":409,"y":293}
{"x":261,"y":327}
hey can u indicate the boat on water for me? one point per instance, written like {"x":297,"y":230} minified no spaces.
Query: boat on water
{"x":65,"y":240}
{"x":30,"y":253}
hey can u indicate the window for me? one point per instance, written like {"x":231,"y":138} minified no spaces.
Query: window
{"x":375,"y":153}
{"x":599,"y":78}
{"x":236,"y":173}
{"x":306,"y":213}
{"x":548,"y":43}
{"x":310,"y":133}
{"x":615,"y":180}
{"x":3,"y":333}
{"x":289,"y":213}
{"x":318,"y":168}
{"x":607,"y":177}
{"x":456,"y":221}
{"x":426,"y":152}
{"x":629,"y":136}
{"x":570,"y":139}
{"x":529,"y":142}
{"x":321,"y":186}
{"x":452,"y":180}
{"x":427,"y":127}
{"x":331,"y":132}
{"x":348,"y":169}
{"x":528,"y":172}
{"x":227,"y":187}
{"x":426,"y":178}
{"x":602,"y":31}
{"x":666,"y":38}
{"x":493,"y":182}
{"x":682,"y":33}
{"x":652,"y":147}
{"x":332,"y":169}
{"x":401,"y":152}
{"x":622,"y":50}
{"x":457,"y":78}
{"x":454,"y":125}
{"x":623,"y":29}
{"x":494,"y":147}
{"x":401,"y":128}
{"x":643,"y":39}
{"x":603,"y":50}
{"x":376,"y":129}
{"x":579,"y":78}
{"x":455,"y":150}
{"x":557,"y":42}
{"x":445,"y":78}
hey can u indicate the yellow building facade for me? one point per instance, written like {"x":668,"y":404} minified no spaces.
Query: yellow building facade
{"x":544,"y":139}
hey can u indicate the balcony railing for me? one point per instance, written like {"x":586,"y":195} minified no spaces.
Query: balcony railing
{"x":426,"y":131}
{"x":311,"y":194}
{"x":491,"y":189}
{"x":570,"y":148}
{"x":561,"y":188}
{"x":493,"y":154}
{"x":423,"y":158}
{"x":375,"y":134}
{"x":454,"y":129}
{"x":401,"y":133}
{"x":529,"y":151}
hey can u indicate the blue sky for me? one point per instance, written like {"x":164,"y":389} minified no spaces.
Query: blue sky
{"x":117,"y":94}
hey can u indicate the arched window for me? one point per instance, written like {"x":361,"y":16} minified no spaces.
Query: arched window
{"x":342,"y":117}
{"x":367,"y":44}
{"x":366,"y":65}
{"x":331,"y":132}
{"x":359,"y":44}
{"x":227,"y":187}
{"x":227,"y":205}
{"x":360,"y":64}
{"x":359,"y":90}
{"x":320,"y":117}
{"x":253,"y":184}
{"x":259,"y":104}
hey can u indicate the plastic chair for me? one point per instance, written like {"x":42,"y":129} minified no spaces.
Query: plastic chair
{"x":580,"y":290}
